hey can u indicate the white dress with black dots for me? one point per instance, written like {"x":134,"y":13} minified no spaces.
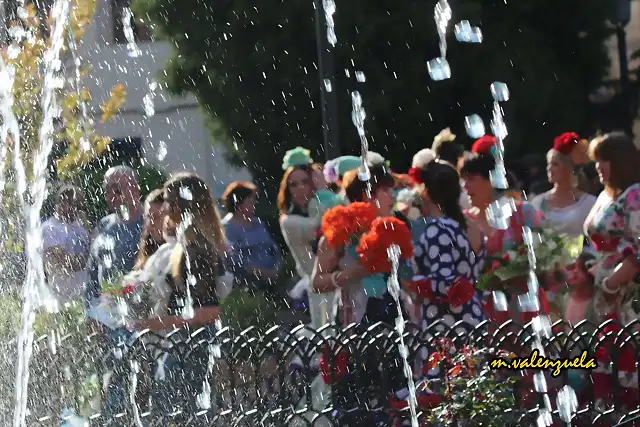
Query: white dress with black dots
{"x":444,"y":254}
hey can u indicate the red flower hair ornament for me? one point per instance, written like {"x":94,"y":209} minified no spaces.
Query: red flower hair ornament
{"x":565,"y":143}
{"x":484,"y":145}
{"x":570,"y":144}
{"x":416,"y":176}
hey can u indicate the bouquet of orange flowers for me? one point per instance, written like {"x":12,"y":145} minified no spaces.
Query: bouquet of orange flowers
{"x":341,"y":223}
{"x":383,"y":234}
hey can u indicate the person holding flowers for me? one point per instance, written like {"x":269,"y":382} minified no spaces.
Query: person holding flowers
{"x":344,"y":260}
{"x":476,"y":174}
{"x":449,"y":255}
{"x":302,"y":200}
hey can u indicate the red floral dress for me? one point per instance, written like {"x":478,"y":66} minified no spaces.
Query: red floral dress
{"x":497,"y":243}
{"x":613,"y":226}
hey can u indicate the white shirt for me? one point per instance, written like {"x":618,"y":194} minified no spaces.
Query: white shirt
{"x":73,"y":238}
{"x":568,"y":220}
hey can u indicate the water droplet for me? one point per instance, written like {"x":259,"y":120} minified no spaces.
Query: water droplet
{"x":499,"y":92}
{"x":124,"y":212}
{"x":498,"y":178}
{"x":474,"y":126}
{"x":466,"y":33}
{"x":541,"y":325}
{"x":363,"y":173}
{"x":500,"y":301}
{"x":529,"y":302}
{"x":13,"y":51}
{"x":23,"y":13}
{"x":148,"y":104}
{"x":203,"y":400}
{"x":567,"y":403}
{"x":327,"y":85}
{"x":186,"y":194}
{"x":540,"y":382}
{"x":162,"y":150}
{"x":499,"y":213}
{"x":360,"y":77}
{"x":439,"y":69}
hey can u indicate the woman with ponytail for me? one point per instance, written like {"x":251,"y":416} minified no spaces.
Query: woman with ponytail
{"x":449,"y":254}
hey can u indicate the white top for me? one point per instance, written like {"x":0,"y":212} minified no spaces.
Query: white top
{"x":73,"y":238}
{"x":568,"y":220}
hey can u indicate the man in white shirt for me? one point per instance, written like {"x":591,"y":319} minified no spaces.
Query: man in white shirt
{"x":65,"y":246}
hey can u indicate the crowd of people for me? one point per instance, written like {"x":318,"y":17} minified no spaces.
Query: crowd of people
{"x":192,"y":257}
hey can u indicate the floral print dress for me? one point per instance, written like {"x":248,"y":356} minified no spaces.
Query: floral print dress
{"x":498,"y":243}
{"x":613,"y":226}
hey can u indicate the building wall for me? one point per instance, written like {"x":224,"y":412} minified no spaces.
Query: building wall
{"x":633,"y":45}
{"x":177,"y":124}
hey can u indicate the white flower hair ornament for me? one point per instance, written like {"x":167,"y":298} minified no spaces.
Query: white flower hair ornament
{"x":375,"y":159}
{"x":444,"y":136}
{"x":423,"y":158}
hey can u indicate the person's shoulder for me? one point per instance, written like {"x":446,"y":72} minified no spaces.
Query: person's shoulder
{"x":107,"y":222}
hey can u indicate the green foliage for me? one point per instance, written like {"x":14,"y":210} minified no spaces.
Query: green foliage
{"x":65,"y":332}
{"x":253,"y":68}
{"x":472,"y":392}
{"x":241,"y":310}
{"x":90,"y":179}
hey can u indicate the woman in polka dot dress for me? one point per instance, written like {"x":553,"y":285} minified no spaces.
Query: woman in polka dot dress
{"x":449,"y":256}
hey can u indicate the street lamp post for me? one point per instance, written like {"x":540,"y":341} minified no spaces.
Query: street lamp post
{"x":623,"y":17}
{"x":326,"y":73}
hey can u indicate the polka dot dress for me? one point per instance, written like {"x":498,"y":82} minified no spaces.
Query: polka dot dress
{"x":443,"y":254}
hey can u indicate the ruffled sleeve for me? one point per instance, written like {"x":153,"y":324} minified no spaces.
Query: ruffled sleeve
{"x":628,"y":246}
{"x":531,"y":216}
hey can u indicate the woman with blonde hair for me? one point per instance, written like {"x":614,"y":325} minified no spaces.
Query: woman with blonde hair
{"x":564,"y":207}
{"x":191,"y":295}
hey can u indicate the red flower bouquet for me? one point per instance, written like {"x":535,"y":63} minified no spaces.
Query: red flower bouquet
{"x":384,"y":233}
{"x":342,"y":223}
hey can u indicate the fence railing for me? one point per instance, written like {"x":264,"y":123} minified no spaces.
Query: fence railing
{"x":274,"y":377}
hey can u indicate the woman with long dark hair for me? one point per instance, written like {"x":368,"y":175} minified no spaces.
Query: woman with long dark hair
{"x":302,"y":199}
{"x":449,"y":255}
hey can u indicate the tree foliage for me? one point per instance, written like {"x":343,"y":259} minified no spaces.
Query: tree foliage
{"x":25,"y":59}
{"x":253,"y":67}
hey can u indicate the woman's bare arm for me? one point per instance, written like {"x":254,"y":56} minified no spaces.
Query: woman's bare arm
{"x":326,"y":276}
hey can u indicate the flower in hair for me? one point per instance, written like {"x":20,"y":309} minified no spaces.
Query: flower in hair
{"x":296,"y":157}
{"x":484,"y":144}
{"x":444,"y":136}
{"x":565,"y":143}
{"x":416,"y":175}
{"x":330,"y":173}
{"x":423,"y":158}
{"x":375,"y":159}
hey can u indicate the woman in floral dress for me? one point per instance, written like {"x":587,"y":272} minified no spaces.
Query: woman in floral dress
{"x":613,"y":226}
{"x":475,"y":173}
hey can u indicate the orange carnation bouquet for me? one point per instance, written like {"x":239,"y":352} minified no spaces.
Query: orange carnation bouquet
{"x":342,"y":223}
{"x":384,"y":233}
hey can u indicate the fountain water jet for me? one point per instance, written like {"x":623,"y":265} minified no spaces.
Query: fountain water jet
{"x":32,"y":294}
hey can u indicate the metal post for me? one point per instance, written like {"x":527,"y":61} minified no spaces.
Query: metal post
{"x":624,"y":77}
{"x":326,"y":73}
{"x":623,"y":16}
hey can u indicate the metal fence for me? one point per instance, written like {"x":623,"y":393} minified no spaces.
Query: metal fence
{"x":271,"y":377}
